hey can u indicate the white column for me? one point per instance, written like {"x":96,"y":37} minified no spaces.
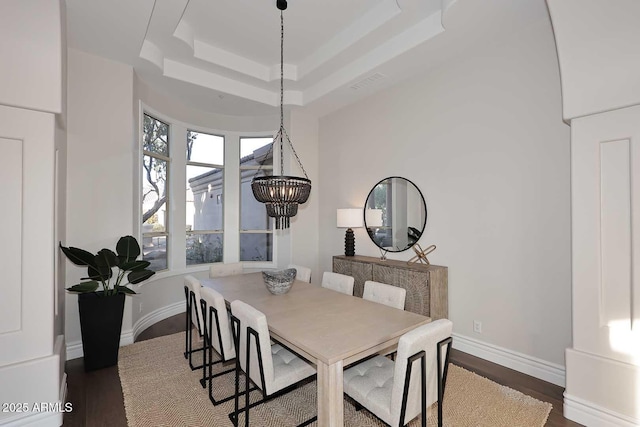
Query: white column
{"x":31,"y":131}
{"x":597,"y":48}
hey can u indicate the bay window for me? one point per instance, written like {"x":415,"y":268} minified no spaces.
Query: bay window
{"x":197,"y":206}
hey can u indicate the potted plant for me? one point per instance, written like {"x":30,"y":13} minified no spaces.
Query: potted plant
{"x":101,"y":297}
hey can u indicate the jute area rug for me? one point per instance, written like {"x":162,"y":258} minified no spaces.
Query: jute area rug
{"x":161,"y":390}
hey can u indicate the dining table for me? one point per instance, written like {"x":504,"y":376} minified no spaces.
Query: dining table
{"x":327,"y":328}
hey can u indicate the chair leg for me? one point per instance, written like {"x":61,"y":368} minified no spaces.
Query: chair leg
{"x":192,"y":351}
{"x":213,"y":400}
{"x":405,"y":393}
{"x":442,"y":373}
{"x":187,"y":328}
{"x":246,"y":384}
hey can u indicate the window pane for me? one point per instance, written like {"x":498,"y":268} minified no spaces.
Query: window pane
{"x":205,"y":148}
{"x":155,"y":136}
{"x":256,"y":246}
{"x":255,"y":151}
{"x":257,"y":146}
{"x":154,"y":250}
{"x":204,"y":248}
{"x":154,"y":194}
{"x":253,"y":214}
{"x":204,"y":198}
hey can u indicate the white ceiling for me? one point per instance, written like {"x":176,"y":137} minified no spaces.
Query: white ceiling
{"x":223,"y":56}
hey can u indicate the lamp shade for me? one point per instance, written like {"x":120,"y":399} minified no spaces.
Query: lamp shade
{"x":349,"y":218}
{"x":373,"y":217}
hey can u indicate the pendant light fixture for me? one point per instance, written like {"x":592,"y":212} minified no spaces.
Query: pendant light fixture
{"x":282,"y":194}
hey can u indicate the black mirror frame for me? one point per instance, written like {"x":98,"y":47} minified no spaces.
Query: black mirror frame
{"x":424,"y":204}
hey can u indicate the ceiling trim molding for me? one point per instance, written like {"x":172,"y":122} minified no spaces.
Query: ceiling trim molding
{"x":152,"y":53}
{"x":367,"y":24}
{"x":403,"y":42}
{"x":252,"y":75}
{"x":197,"y":76}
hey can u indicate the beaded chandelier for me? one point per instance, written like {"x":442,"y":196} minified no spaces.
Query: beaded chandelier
{"x":282,"y":194}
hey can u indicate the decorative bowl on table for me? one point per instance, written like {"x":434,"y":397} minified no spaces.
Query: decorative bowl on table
{"x":279,"y":282}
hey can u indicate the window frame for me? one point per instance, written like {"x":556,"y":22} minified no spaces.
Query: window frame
{"x":167,"y":159}
{"x":188,"y":163}
{"x":176,"y":195}
{"x":253,"y":169}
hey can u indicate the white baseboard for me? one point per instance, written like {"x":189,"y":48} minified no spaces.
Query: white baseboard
{"x":74,"y":349}
{"x":157,"y":315}
{"x":40,"y":419}
{"x":590,"y":414}
{"x":529,"y":365}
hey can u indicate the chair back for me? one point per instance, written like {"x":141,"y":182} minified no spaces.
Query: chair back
{"x":216,"y":323}
{"x":382,"y":293}
{"x":303,"y":273}
{"x":338,"y":282}
{"x":260,"y":351}
{"x":193,"y":300}
{"x":425,"y":337}
{"x":221,"y":270}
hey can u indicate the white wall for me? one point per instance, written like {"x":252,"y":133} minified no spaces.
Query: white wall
{"x":99,"y":169}
{"x":33,"y":54}
{"x":305,"y":233}
{"x":482,"y":137}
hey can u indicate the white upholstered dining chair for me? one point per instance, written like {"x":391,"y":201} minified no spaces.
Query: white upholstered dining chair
{"x":192,"y":288}
{"x":271,"y":367}
{"x":338,"y":282}
{"x":303,"y":273}
{"x":218,"y":338}
{"x":398,"y":391}
{"x":382,"y":293}
{"x":221,"y":270}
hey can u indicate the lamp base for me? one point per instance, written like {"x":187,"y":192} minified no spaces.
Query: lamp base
{"x":349,"y":243}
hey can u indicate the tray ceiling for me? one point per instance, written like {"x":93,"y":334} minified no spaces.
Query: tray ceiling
{"x":224,"y":55}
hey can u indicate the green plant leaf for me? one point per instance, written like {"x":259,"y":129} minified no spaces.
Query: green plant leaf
{"x":128,"y":248}
{"x":84,"y":287}
{"x":135,"y":265}
{"x":139,"y":276}
{"x":106,"y":258}
{"x":124,"y":290}
{"x":99,"y":273}
{"x":78,"y":256}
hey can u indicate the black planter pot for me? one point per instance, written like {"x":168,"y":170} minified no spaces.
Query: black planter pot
{"x":100,"y":323}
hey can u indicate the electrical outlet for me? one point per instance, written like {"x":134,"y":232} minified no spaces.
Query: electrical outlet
{"x":477,"y":326}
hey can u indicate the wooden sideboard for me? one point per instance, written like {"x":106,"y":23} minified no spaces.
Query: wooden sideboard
{"x":426,"y":285}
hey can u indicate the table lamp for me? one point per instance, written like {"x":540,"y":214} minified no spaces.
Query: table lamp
{"x":349,"y":219}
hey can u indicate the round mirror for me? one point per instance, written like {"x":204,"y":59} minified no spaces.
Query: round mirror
{"x":395,"y":214}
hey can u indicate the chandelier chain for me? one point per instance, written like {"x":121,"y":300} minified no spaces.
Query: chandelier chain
{"x":282,"y":93}
{"x":281,"y":194}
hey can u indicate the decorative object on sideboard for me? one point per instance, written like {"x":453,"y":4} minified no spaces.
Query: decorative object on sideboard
{"x":281,"y":194}
{"x":349,"y":218}
{"x":421,"y":255}
{"x":395,"y":214}
{"x":279,"y":282}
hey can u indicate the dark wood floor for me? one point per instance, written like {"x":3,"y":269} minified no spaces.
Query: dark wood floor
{"x":97,"y":396}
